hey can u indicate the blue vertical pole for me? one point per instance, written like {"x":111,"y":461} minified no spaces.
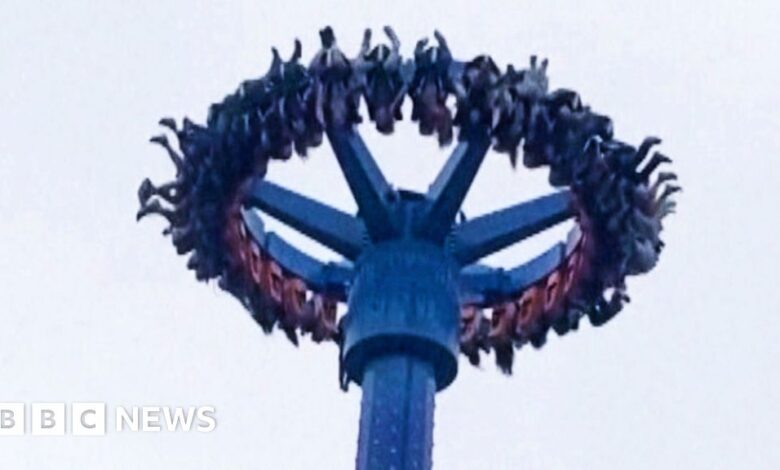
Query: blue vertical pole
{"x":396,"y":416}
{"x":400,"y":346}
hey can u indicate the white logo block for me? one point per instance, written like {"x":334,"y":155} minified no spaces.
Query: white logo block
{"x":11,"y":419}
{"x":48,"y":419}
{"x":88,"y":419}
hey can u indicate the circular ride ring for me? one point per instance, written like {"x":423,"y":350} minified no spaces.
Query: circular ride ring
{"x":605,"y":186}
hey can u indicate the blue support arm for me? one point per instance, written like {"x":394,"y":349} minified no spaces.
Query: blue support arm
{"x":533,"y":271}
{"x":333,"y":228}
{"x":369,"y":187}
{"x":492,"y":232}
{"x":322,"y":277}
{"x":482,"y":285}
{"x":448,"y":190}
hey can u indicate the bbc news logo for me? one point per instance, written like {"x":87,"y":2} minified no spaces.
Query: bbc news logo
{"x":92,"y":419}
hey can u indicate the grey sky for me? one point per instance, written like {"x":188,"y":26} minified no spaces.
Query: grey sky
{"x":95,"y":307}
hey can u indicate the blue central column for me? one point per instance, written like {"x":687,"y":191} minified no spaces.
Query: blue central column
{"x":401,"y":345}
{"x":396,"y":414}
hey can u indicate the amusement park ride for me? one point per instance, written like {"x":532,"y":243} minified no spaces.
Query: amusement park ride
{"x":416,"y":294}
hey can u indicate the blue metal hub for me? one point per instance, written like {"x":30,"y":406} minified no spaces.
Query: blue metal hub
{"x":404,"y":300}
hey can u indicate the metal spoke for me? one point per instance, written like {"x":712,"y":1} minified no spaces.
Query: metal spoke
{"x":529,"y":273}
{"x":323,"y":277}
{"x":492,"y":232}
{"x":333,"y":228}
{"x":448,"y":190}
{"x":484,"y":285}
{"x":369,"y":187}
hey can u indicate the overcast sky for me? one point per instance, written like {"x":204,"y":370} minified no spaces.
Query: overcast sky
{"x":95,"y":307}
